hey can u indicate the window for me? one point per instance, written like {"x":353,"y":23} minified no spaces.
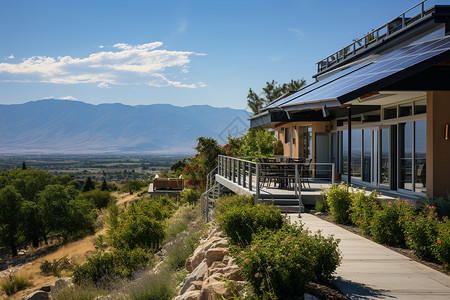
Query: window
{"x":356,"y":153}
{"x":420,"y":107}
{"x":287,"y":135}
{"x":405,"y":110}
{"x":390,"y":112}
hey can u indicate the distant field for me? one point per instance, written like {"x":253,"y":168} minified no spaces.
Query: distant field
{"x":115,"y":168}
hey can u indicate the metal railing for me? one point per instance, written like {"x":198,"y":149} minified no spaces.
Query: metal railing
{"x":399,"y":23}
{"x":254,"y":175}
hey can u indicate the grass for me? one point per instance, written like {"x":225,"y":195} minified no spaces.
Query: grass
{"x":80,"y":292}
{"x":15,"y":282}
{"x":154,"y":286}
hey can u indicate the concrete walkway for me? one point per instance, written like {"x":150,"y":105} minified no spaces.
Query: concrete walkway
{"x":371,"y":271}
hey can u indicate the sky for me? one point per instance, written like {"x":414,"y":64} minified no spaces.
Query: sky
{"x":178,"y":52}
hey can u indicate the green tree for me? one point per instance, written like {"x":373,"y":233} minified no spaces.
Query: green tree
{"x":271,"y":92}
{"x":104,"y":185}
{"x":10,"y":217}
{"x":88,"y":185}
{"x":24,"y":166}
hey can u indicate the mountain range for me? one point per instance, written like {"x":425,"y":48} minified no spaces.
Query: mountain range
{"x":67,"y":126}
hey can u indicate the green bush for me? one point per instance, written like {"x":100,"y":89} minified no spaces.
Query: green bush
{"x":153,"y":286}
{"x":389,"y":222}
{"x":15,"y":283}
{"x":339,"y":200}
{"x":190,"y":196}
{"x":227,"y":202}
{"x":421,"y":232}
{"x":239,"y":223}
{"x":441,"y":246}
{"x":362,"y":209}
{"x":55,"y":268}
{"x":104,"y":267}
{"x":282,"y":262}
{"x":321,"y":205}
{"x":99,"y":198}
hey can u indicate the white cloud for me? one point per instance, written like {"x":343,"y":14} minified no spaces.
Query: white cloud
{"x":101,"y":46}
{"x":10,"y":57}
{"x":67,"y":98}
{"x":128,"y":65}
{"x":298,"y":33}
{"x":276,"y":58}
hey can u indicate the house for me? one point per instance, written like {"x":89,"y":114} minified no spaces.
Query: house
{"x":379,"y":109}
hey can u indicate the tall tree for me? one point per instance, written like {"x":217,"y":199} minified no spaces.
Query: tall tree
{"x":24,"y":166}
{"x":104,"y":185}
{"x":88,"y":185}
{"x":10,"y":203}
{"x":271,"y":92}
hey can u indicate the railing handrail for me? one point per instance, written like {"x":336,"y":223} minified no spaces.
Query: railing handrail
{"x":368,"y":39}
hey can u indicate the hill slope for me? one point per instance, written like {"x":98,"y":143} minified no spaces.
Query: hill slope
{"x":64,"y":126}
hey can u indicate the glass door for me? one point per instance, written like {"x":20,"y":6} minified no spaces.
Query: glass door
{"x":375,"y":164}
{"x":322,"y":155}
{"x":384,"y":157}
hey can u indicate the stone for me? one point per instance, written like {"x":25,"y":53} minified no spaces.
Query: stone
{"x":215,"y":254}
{"x":227,"y":260}
{"x":214,"y":290}
{"x":191,"y":295}
{"x":46,"y":288}
{"x":232,"y":273}
{"x":38,"y":295}
{"x":216,"y":267}
{"x":196,"y":275}
{"x":62,"y":282}
{"x":197,"y":284}
{"x":196,"y":258}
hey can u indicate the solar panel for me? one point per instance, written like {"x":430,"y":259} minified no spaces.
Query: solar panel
{"x":377,"y":74}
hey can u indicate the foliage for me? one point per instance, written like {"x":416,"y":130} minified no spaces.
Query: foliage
{"x":441,"y":246}
{"x":282,"y":262}
{"x":54,"y":268}
{"x":190,"y":196}
{"x":232,"y":201}
{"x":15,"y":283}
{"x":104,"y":185}
{"x":339,"y":200}
{"x":362,"y":209}
{"x":10,"y":203}
{"x":421,"y":232}
{"x":88,"y":185}
{"x":442,"y":205}
{"x":387,"y":226}
{"x":321,"y":204}
{"x":239,"y":223}
{"x":271,"y":92}
{"x":105,"y":266}
{"x":84,"y":291}
{"x":154,"y":286}
{"x":100,"y":198}
{"x":258,"y":142}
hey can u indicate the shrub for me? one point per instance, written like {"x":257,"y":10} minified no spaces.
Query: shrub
{"x":104,"y":267}
{"x":441,"y":246}
{"x":282,"y":262}
{"x":239,"y":223}
{"x":84,"y":291}
{"x":227,"y":202}
{"x":15,"y":283}
{"x":55,"y":268}
{"x":421,"y":232}
{"x":153,"y":286}
{"x":339,"y":200}
{"x":190,"y":196}
{"x":389,"y":222}
{"x":99,"y":198}
{"x":321,"y":204}
{"x":362,"y":209}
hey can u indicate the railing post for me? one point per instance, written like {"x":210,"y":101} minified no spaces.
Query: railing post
{"x":333,"y":174}
{"x":301,"y":208}
{"x":244,"y":169}
{"x":296,"y":180}
{"x":239,"y":172}
{"x":257,"y":184}
{"x":250,"y":176}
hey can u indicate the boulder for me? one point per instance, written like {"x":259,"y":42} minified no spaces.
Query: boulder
{"x":215,"y":254}
{"x":232,"y":273}
{"x":213,"y":290}
{"x":228,"y":260}
{"x":196,"y":275}
{"x":196,"y":258}
{"x":62,"y":282}
{"x":46,"y":288}
{"x":191,"y":295}
{"x":38,"y":295}
{"x":216,"y":267}
{"x":197,"y":284}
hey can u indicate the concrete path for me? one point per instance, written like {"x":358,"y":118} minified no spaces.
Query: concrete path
{"x":371,"y":271}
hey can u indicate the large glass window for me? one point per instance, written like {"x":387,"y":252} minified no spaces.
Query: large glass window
{"x":305,"y":138}
{"x":390,"y":112}
{"x":367,"y":148}
{"x":420,"y":156}
{"x":356,"y":153}
{"x":384,"y":163}
{"x":287,"y":135}
{"x":420,"y":107}
{"x":406,"y":155}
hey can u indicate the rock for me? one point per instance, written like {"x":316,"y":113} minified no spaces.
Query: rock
{"x":310,"y":297}
{"x":38,"y":295}
{"x":213,"y":233}
{"x":62,"y":282}
{"x":191,"y":295}
{"x":216,"y":267}
{"x":232,"y":273}
{"x":193,"y":261}
{"x":318,"y":213}
{"x":21,"y":253}
{"x":213,"y":290}
{"x":197,"y":284}
{"x":46,"y":288}
{"x":215,"y":254}
{"x":196,"y":275}
{"x":227,"y":260}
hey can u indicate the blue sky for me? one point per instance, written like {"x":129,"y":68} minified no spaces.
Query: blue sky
{"x":177,"y":52}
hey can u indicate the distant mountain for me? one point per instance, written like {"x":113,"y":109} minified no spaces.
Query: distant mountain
{"x":66,"y":126}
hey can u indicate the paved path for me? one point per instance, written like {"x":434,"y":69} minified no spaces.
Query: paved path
{"x":371,"y":271}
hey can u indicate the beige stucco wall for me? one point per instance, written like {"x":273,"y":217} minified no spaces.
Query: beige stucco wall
{"x":438,"y":149}
{"x":293,"y":127}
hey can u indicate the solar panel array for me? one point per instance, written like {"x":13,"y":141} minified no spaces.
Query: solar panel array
{"x":374,"y":75}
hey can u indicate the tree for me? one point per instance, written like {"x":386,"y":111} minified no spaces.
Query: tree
{"x":10,"y":217}
{"x":271,"y":92}
{"x":88,"y":185}
{"x":24,"y":166}
{"x":104,"y":185}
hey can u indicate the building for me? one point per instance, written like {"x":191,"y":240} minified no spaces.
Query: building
{"x":379,"y":109}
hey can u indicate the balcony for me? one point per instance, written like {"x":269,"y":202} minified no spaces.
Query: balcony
{"x":288,"y":184}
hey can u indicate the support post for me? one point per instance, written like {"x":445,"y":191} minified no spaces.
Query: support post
{"x":349,"y":145}
{"x":250,"y":176}
{"x":257,"y":185}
